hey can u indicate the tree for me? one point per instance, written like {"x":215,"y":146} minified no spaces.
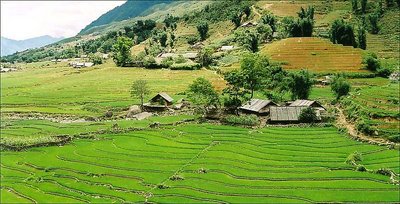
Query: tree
{"x":342,"y":33}
{"x":162,"y":37}
{"x":203,"y":95}
{"x":236,"y":19}
{"x":264,"y":31}
{"x":389,"y":3}
{"x":364,"y":6}
{"x":253,"y":67}
{"x":122,"y":52}
{"x":340,"y":86}
{"x":302,"y":27}
{"x":205,"y":57}
{"x":362,"y":38}
{"x":236,"y":92}
{"x":252,"y":42}
{"x":306,"y":13}
{"x":270,"y":20}
{"x":95,"y":59}
{"x":300,"y":84}
{"x":247,"y":11}
{"x":308,"y":115}
{"x":202,"y":28}
{"x":139,"y":90}
{"x":371,"y":61}
{"x":373,"y":20}
{"x":354,"y":5}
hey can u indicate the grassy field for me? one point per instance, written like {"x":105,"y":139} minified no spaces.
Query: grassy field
{"x":314,"y":54}
{"x":201,"y":163}
{"x":87,"y":92}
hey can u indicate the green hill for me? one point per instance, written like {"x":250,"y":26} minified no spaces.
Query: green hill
{"x":127,"y":10}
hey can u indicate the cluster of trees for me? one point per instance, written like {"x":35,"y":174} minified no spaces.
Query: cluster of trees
{"x":256,"y":73}
{"x":302,"y":26}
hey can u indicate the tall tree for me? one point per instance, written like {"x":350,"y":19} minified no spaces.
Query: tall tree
{"x":300,"y":84}
{"x":236,"y":20}
{"x":139,"y":90}
{"x":203,"y":95}
{"x":234,"y":89}
{"x":342,"y":33}
{"x":362,"y":37}
{"x":122,"y":52}
{"x":270,"y":20}
{"x":373,"y":21}
{"x":253,"y":68}
{"x":202,"y":28}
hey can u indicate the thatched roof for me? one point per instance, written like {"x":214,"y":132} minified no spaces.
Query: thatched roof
{"x":255,"y":105}
{"x":285,"y":113}
{"x":306,"y":103}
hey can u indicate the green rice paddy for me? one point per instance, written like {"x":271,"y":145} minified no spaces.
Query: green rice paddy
{"x":210,"y":163}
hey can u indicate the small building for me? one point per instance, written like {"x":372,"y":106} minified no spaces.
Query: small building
{"x":197,"y":46}
{"x":308,"y":103}
{"x":227,"y":48}
{"x":257,"y":106}
{"x":159,"y":102}
{"x":190,"y":55}
{"x":285,"y":114}
{"x":249,"y":24}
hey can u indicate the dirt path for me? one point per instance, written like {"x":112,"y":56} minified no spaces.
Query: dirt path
{"x":352,"y":130}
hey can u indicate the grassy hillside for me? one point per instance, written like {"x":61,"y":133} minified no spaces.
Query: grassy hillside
{"x":92,"y":91}
{"x":202,"y":163}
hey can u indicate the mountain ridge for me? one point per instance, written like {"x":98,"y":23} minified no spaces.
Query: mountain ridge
{"x":10,"y":46}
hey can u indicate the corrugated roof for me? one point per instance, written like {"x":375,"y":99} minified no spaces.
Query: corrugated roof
{"x":165,"y":96}
{"x":256,"y":104}
{"x":305,"y":103}
{"x":285,"y":113}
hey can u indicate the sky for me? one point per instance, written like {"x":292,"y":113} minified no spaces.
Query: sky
{"x":26,"y":19}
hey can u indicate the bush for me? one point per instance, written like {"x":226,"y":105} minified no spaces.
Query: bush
{"x":394,"y":138}
{"x":365,"y":128}
{"x":383,"y":171}
{"x":185,"y":66}
{"x":192,"y":39}
{"x":180,"y":59}
{"x":247,"y":120}
{"x":371,"y":61}
{"x":384,"y":72}
{"x":361,"y":168}
{"x":308,"y":115}
{"x":354,"y":158}
{"x":149,"y":62}
{"x":340,"y":87}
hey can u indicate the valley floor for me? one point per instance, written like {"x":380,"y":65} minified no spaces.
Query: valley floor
{"x":202,"y":163}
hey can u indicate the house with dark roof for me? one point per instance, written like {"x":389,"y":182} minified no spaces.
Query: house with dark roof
{"x":257,"y":106}
{"x":285,"y":114}
{"x":159,"y":102}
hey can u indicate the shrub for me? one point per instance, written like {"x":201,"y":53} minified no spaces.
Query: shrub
{"x":192,"y":39}
{"x":383,"y":171}
{"x":394,"y":138}
{"x":95,"y":59}
{"x":149,"y":62}
{"x":353,"y":158}
{"x":340,"y":87}
{"x":185,"y":66}
{"x":308,"y":115}
{"x":384,"y":72}
{"x":361,"y":168}
{"x":176,"y":178}
{"x":180,"y":59}
{"x":248,"y":120}
{"x":371,"y":61}
{"x":365,"y":128}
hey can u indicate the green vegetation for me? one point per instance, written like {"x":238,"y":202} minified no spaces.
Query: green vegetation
{"x":218,"y":163}
{"x":340,"y":86}
{"x":246,"y":120}
{"x":140,"y":90}
{"x":308,"y":115}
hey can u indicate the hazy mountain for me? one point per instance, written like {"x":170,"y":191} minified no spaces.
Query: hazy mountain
{"x":130,"y":9}
{"x":9,"y":46}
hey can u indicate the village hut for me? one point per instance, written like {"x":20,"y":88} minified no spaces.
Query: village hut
{"x":249,"y":24}
{"x":159,"y":102}
{"x":257,"y":106}
{"x":308,"y":103}
{"x":285,"y":114}
{"x":227,"y":48}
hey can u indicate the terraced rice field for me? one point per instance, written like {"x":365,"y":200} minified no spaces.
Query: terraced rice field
{"x":314,"y":54}
{"x":381,"y":103}
{"x":210,"y":163}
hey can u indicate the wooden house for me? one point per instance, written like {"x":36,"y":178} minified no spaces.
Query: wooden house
{"x":308,"y":103}
{"x":257,"y":106}
{"x":285,"y":114}
{"x":159,"y":102}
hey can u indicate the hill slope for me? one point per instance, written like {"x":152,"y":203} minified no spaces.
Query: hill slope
{"x":9,"y":46}
{"x":127,"y":10}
